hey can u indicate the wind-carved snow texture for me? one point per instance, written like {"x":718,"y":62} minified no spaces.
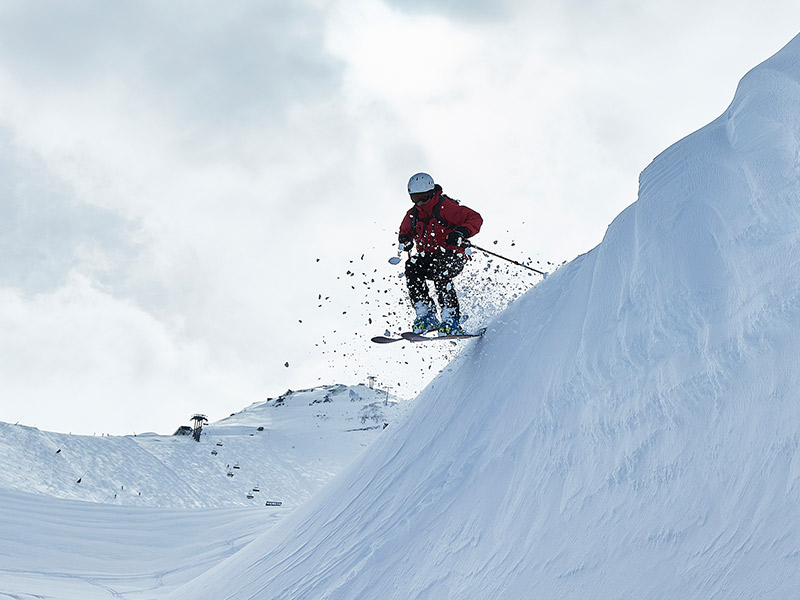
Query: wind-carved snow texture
{"x":627,"y":429}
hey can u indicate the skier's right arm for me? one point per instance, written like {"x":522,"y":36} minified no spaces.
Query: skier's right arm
{"x":406,"y":237}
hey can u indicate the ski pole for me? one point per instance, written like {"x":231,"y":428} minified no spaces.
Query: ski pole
{"x":519,"y":264}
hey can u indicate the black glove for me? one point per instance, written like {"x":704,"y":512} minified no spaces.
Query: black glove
{"x":405,"y":242}
{"x":457,"y":236}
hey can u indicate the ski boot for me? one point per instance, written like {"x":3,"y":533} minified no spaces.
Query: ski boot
{"x":450,"y":324}
{"x":426,"y":320}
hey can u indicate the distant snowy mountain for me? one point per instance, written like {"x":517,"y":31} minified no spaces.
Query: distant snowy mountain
{"x":627,"y":429}
{"x":285,"y":448}
{"x":134,"y":517}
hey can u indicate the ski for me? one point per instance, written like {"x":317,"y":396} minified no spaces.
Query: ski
{"x":416,"y":337}
{"x":410,"y":336}
{"x":382,"y":339}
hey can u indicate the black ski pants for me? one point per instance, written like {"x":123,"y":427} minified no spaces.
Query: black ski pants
{"x":441,"y":268}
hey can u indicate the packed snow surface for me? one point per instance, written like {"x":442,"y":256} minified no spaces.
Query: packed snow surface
{"x":627,"y":429}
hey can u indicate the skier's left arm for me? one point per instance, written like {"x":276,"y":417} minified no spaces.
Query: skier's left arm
{"x":467,"y":221}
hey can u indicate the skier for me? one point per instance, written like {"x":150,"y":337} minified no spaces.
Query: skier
{"x":437,"y":225}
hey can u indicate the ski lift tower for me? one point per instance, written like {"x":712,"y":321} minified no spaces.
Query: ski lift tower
{"x":199,"y":421}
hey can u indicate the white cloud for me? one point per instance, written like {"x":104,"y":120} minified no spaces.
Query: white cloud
{"x":78,"y":359}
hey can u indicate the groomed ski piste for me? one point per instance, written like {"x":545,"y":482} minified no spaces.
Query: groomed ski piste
{"x":629,"y":428}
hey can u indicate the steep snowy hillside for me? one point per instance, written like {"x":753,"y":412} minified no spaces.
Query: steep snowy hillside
{"x":627,"y":429}
{"x":284,"y":449}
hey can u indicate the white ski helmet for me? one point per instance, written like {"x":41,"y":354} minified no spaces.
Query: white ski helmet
{"x":420,"y":183}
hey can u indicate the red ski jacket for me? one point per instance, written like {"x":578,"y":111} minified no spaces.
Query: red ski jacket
{"x":430,"y":224}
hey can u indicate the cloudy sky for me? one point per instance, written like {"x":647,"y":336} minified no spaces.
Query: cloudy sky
{"x":194,"y":194}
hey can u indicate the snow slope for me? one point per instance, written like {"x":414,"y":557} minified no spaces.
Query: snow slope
{"x":68,"y":550}
{"x":84,"y":518}
{"x":627,"y":429}
{"x":288,"y":447}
